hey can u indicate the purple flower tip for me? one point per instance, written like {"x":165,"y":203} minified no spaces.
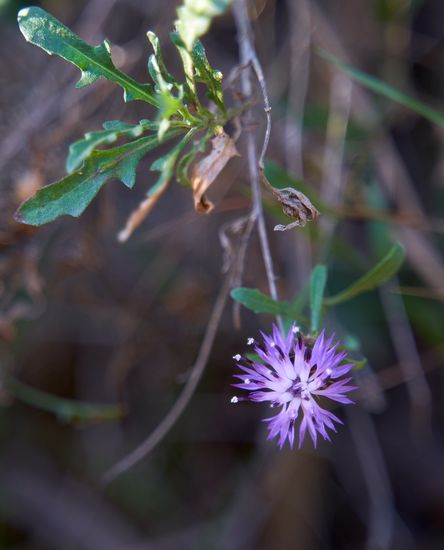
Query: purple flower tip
{"x":295,"y":374}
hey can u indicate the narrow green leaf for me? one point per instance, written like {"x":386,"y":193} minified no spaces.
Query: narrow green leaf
{"x":299,"y":300}
{"x":72,"y":194}
{"x":168,"y":104}
{"x":44,"y":30}
{"x":318,"y":281}
{"x":208,"y":8}
{"x":210,"y":77}
{"x":382,"y":88}
{"x":259,"y":302}
{"x":382,"y":271}
{"x":191,"y":25}
{"x":166,"y":75}
{"x":195,"y":16}
{"x":113,"y":130}
{"x":188,"y":67}
{"x":67,"y":410}
{"x":184,"y":163}
{"x":165,"y":165}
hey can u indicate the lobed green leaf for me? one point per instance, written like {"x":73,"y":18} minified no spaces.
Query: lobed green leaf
{"x":72,"y":194}
{"x":47,"y":32}
{"x":210,"y":77}
{"x":113,"y":130}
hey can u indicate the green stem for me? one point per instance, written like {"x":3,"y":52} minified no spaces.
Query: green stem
{"x":67,"y":410}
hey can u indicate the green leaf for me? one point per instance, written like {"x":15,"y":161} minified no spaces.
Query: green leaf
{"x":195,"y":16}
{"x":208,"y":8}
{"x":318,"y":281}
{"x":166,"y":75}
{"x":67,"y":410}
{"x":113,"y":130}
{"x":190,"y":25}
{"x":382,"y":88}
{"x":44,"y":30}
{"x":299,"y":300}
{"x":72,"y":194}
{"x":188,"y":67}
{"x":209,"y":76}
{"x":259,"y":302}
{"x":165,"y":165}
{"x":193,"y":20}
{"x":168,"y":104}
{"x":184,"y":163}
{"x":382,"y":271}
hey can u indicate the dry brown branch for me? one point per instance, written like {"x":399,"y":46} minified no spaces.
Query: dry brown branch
{"x":255,"y":162}
{"x":190,"y":387}
{"x":409,"y":360}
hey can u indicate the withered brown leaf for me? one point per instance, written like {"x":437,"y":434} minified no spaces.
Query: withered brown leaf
{"x":139,"y":214}
{"x":204,"y":173}
{"x":294,"y":204}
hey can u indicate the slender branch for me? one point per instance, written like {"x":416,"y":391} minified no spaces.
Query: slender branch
{"x":248,"y":56}
{"x":374,"y":470}
{"x":299,"y":67}
{"x":257,"y":67}
{"x":409,"y":359}
{"x":255,"y":163}
{"x":238,"y":273}
{"x":179,"y":406}
{"x":334,"y":181}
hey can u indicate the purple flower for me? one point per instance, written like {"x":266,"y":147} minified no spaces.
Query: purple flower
{"x":295,"y":374}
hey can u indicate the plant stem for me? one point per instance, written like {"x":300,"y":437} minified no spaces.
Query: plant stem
{"x":255,"y":162}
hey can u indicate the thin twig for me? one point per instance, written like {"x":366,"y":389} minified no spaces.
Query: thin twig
{"x":371,"y":459}
{"x":333,"y":181}
{"x":257,"y":67}
{"x":409,"y":360}
{"x":179,"y":406}
{"x":255,"y":162}
{"x":298,"y":63}
{"x":238,"y":273}
{"x":299,"y":66}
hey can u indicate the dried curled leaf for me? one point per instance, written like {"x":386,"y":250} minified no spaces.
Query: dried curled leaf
{"x":294,"y":204}
{"x":206,"y":170}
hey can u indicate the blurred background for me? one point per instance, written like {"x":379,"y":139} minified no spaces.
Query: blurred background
{"x":97,"y":338}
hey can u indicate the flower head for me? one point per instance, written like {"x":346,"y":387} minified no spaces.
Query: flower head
{"x":295,"y":374}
